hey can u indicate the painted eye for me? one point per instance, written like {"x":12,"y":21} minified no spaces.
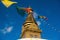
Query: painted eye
{"x":35,"y":36}
{"x":31,"y":35}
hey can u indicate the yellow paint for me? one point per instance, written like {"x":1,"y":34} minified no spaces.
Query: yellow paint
{"x":8,"y":3}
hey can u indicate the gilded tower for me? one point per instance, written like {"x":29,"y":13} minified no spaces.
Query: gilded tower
{"x":30,"y":28}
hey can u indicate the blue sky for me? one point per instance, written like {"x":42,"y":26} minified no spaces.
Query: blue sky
{"x":11,"y":20}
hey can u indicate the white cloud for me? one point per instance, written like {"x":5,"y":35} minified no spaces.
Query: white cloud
{"x":35,"y":15}
{"x":39,"y":23}
{"x":7,"y":30}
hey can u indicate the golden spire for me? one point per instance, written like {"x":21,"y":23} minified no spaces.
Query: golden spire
{"x":30,"y":25}
{"x":30,"y":19}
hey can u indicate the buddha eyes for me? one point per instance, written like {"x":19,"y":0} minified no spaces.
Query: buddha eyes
{"x":33,"y":36}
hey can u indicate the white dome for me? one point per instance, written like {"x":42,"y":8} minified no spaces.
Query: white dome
{"x":31,"y":39}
